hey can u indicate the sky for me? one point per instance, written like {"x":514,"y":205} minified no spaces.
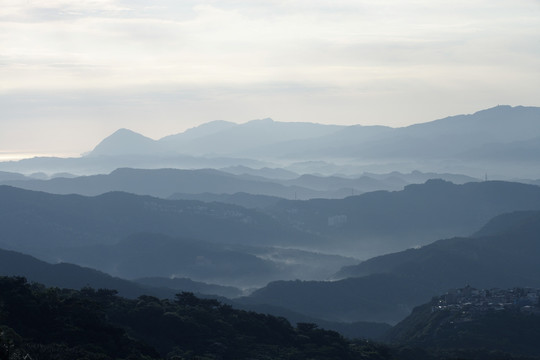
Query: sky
{"x":72,"y":72}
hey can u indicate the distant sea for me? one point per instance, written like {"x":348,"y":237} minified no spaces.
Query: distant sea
{"x":14,"y":156}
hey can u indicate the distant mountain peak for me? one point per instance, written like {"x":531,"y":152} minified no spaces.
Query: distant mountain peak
{"x":125,"y":131}
{"x":123,"y":141}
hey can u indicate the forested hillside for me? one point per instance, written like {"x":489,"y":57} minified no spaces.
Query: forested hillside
{"x":52,"y":323}
{"x":502,"y":320}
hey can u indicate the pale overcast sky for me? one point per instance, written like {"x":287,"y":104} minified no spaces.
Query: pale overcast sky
{"x":74,"y":71}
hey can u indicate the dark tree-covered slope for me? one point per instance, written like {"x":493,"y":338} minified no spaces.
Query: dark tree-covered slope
{"x":60,"y":324}
{"x":96,"y":324}
{"x":188,"y":285}
{"x":508,"y":330}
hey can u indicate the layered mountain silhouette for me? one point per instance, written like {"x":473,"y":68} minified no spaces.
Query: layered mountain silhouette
{"x":9,"y":176}
{"x":204,"y":241}
{"x":415,"y":216}
{"x":366,"y":225}
{"x":37,"y":221}
{"x":446,"y":137}
{"x":217,"y":137}
{"x":165,"y":183}
{"x":70,"y":276}
{"x":290,"y":209}
{"x":154,"y":255}
{"x":500,"y":140}
{"x":388,"y":287}
{"x":501,"y":254}
{"x":139,"y":236}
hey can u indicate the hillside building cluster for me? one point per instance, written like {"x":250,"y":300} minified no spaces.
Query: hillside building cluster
{"x":469,"y":300}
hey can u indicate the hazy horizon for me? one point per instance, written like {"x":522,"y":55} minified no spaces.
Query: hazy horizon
{"x":72,"y":73}
{"x":15,"y":155}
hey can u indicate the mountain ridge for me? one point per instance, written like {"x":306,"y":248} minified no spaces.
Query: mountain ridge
{"x":493,"y":122}
{"x":68,"y":275}
{"x":388,"y":287}
{"x":459,"y":144}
